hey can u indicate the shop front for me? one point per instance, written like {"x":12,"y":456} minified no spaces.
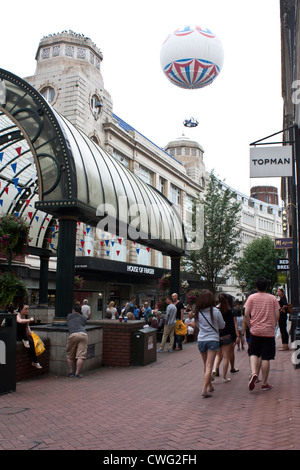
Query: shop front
{"x":107,"y":280}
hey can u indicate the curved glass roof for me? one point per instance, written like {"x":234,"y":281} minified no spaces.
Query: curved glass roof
{"x":52,"y":168}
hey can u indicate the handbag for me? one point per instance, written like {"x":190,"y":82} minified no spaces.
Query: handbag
{"x":38,"y":344}
{"x":180,"y":329}
{"x":226,"y":339}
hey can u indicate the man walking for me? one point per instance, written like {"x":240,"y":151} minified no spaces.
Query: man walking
{"x":261,"y":313}
{"x":170,"y":325}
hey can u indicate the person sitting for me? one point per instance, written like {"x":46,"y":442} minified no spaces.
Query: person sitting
{"x":190,"y":324}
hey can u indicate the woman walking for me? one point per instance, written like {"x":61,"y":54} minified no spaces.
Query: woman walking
{"x":209,"y":321}
{"x":227,"y":338}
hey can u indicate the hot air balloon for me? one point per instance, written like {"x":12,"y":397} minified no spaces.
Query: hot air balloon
{"x":192,"y":57}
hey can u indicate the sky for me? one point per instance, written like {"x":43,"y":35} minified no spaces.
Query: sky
{"x":242,"y":105}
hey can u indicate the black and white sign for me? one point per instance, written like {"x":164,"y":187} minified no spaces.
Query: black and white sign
{"x":282,"y":264}
{"x":271,"y":161}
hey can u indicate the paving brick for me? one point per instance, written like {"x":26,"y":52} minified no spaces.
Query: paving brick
{"x":156,"y":407}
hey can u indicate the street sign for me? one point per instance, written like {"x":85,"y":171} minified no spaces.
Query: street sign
{"x":282,"y":264}
{"x":284,"y":243}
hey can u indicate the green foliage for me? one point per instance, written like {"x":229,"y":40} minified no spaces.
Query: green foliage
{"x":259,"y":259}
{"x":14,"y":235}
{"x":11,"y":289}
{"x":221,"y":235}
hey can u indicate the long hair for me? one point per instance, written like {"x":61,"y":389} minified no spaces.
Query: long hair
{"x":205,"y":300}
{"x":224,"y":303}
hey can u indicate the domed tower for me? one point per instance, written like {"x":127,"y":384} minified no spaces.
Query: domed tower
{"x":267,"y":194}
{"x":190,"y":154}
{"x":68,"y":75}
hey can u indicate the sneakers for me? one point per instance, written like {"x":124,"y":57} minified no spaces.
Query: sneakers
{"x":26,"y":343}
{"x":252,"y":381}
{"x":226,"y":380}
{"x":266,"y":387}
{"x":37,"y":365}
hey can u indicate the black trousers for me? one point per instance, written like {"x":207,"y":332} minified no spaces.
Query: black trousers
{"x":282,"y":326}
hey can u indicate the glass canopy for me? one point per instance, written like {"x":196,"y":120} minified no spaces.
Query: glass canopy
{"x":49,"y":168}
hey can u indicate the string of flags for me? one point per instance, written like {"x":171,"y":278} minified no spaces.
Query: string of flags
{"x":86,"y":243}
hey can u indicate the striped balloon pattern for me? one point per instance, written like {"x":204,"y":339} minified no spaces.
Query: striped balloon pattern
{"x":192,"y":57}
{"x":191,"y":73}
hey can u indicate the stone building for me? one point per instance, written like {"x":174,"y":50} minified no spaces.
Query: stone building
{"x":68,"y":74}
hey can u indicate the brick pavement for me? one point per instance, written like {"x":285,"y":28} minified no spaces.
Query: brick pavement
{"x":156,"y":407}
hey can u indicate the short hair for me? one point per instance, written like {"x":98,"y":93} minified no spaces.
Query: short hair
{"x":77,"y":308}
{"x":85,"y":301}
{"x":261,"y":283}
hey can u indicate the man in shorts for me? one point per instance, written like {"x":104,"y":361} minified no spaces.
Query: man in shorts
{"x":262,"y":314}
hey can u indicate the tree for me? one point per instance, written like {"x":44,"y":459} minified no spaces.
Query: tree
{"x":221,"y":235}
{"x":258,"y":259}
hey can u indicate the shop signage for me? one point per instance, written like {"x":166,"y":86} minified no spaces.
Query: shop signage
{"x":284,"y":243}
{"x":271,"y":161}
{"x":282,"y":264}
{"x":140,"y":269}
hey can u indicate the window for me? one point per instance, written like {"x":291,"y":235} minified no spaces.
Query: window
{"x":48,"y":92}
{"x":95,"y":106}
{"x":162,"y":185}
{"x":175,"y":195}
{"x":145,"y":174}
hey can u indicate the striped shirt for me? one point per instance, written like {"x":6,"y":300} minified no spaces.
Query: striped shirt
{"x":264,"y":311}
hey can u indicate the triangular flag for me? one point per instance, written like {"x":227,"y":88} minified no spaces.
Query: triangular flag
{"x":102,"y":243}
{"x":118,"y":252}
{"x":88,"y":229}
{"x":1,"y":202}
{"x":89,"y":251}
{"x":148,"y":249}
{"x":112,"y":243}
{"x":106,"y":242}
{"x":27,"y":201}
{"x":82,"y":242}
{"x":19,"y":190}
{"x":18,"y":150}
{"x":6,"y":190}
{"x":16,"y":214}
{"x":107,"y":253}
{"x":120,"y":240}
{"x":138,"y":251}
{"x":14,"y":167}
{"x":1,"y":156}
{"x":30,"y":214}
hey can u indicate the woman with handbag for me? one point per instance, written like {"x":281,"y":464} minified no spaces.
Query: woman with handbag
{"x":209,"y":321}
{"x":24,"y":332}
{"x":227,"y":339}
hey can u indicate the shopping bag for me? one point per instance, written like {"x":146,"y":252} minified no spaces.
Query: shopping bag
{"x":38,"y":344}
{"x":180,"y":329}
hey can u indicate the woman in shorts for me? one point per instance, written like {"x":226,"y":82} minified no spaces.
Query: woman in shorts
{"x":209,"y":321}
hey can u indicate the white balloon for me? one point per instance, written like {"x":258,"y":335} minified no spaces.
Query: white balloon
{"x":192,"y":57}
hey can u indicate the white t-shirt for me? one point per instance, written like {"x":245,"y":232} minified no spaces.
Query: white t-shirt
{"x":206,"y":332}
{"x":86,"y":310}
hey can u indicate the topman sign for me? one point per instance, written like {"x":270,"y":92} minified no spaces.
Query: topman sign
{"x":271,"y":161}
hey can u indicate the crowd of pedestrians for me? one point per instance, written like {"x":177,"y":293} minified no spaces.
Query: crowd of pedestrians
{"x":228,"y":325}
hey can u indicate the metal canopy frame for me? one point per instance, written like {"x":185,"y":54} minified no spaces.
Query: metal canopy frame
{"x":74,"y":176}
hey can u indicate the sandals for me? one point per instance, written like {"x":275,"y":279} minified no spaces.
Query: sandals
{"x":234,"y":370}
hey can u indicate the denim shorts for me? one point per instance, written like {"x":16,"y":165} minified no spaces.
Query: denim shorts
{"x":204,"y":346}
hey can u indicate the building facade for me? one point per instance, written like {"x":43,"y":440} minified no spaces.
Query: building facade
{"x":68,"y":74}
